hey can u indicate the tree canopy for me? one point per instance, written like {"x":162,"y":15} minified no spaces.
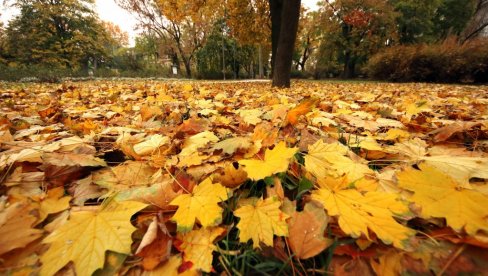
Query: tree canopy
{"x":59,"y":33}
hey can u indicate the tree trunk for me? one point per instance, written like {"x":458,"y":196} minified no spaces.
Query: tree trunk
{"x":276,"y":9}
{"x":349,"y":66}
{"x":286,"y":43}
{"x":187,"y":64}
{"x":260,"y":59}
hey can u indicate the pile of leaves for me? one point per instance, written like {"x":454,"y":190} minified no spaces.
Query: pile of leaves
{"x":163,"y":178}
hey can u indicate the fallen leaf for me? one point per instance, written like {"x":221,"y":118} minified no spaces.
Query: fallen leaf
{"x":151,"y":144}
{"x":16,"y":227}
{"x":86,"y":237}
{"x":303,"y":108}
{"x":55,"y":202}
{"x":275,"y":161}
{"x":260,"y":220}
{"x":201,"y":204}
{"x":155,"y":246}
{"x":388,"y":264}
{"x":307,"y":230}
{"x":358,"y":213}
{"x":198,"y":245}
{"x":231,"y":145}
{"x":440,"y":196}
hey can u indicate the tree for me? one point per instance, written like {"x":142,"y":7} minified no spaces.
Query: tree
{"x":478,"y":22}
{"x":415,"y":20}
{"x":308,"y":37}
{"x":355,"y":30}
{"x":283,"y":37}
{"x":451,"y":17}
{"x":183,"y":24}
{"x":210,"y":58}
{"x":250,"y":25}
{"x":431,"y":21}
{"x":55,"y":33}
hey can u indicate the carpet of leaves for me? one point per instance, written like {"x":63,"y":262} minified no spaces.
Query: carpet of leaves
{"x":167,"y":178}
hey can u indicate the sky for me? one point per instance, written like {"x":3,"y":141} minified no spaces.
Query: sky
{"x":109,"y":11}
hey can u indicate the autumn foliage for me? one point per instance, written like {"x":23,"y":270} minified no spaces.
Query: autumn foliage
{"x":168,"y":178}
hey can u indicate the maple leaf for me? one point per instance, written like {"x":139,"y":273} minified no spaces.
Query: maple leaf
{"x":231,"y":177}
{"x":231,"y":145}
{"x":275,"y":161}
{"x":155,"y":246}
{"x":460,"y":168}
{"x":197,"y":247}
{"x":325,"y":160}
{"x":303,"y":108}
{"x":53,"y":203}
{"x":389,"y":264}
{"x":251,"y":117}
{"x":87,"y":235}
{"x":70,"y":159}
{"x":359,"y":212}
{"x":440,"y":196}
{"x":150,"y":145}
{"x":196,"y":141}
{"x":124,"y":176}
{"x":16,"y":230}
{"x":307,"y":230}
{"x":260,"y":220}
{"x":171,"y":267}
{"x":201,"y":204}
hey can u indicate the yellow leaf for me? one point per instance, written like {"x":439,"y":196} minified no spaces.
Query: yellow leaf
{"x":170,"y":268}
{"x":87,"y":235}
{"x":359,"y":212}
{"x":199,"y":140}
{"x":71,"y":159}
{"x":325,"y":160}
{"x":197,"y":247}
{"x":128,"y":174}
{"x":389,"y":264}
{"x":416,"y":108}
{"x":54,"y":203}
{"x":201,"y":204}
{"x":260,"y":220}
{"x":16,"y":230}
{"x":275,"y":161}
{"x":307,"y":229}
{"x":441,"y":196}
{"x":150,"y":145}
{"x":460,"y":168}
{"x":251,"y":117}
{"x":395,"y":133}
{"x":229,"y":146}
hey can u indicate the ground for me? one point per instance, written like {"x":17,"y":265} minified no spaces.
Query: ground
{"x":239,"y":177}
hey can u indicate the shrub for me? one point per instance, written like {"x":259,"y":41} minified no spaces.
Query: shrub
{"x":443,"y":62}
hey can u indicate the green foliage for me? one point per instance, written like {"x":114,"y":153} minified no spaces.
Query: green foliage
{"x":352,"y":31}
{"x":59,"y":34}
{"x":430,"y":21}
{"x":210,"y":57}
{"x":446,"y":62}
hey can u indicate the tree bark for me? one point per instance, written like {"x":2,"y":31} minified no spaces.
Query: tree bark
{"x":286,"y":43}
{"x":276,"y":9}
{"x":349,"y":70}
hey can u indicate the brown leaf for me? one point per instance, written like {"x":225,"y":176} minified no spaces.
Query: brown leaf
{"x":307,"y":229}
{"x":16,"y":230}
{"x":155,"y":246}
{"x":446,"y":132}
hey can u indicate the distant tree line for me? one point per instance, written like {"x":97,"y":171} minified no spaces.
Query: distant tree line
{"x":233,"y":38}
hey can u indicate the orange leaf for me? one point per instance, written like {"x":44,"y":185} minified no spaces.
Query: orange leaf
{"x":303,"y":108}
